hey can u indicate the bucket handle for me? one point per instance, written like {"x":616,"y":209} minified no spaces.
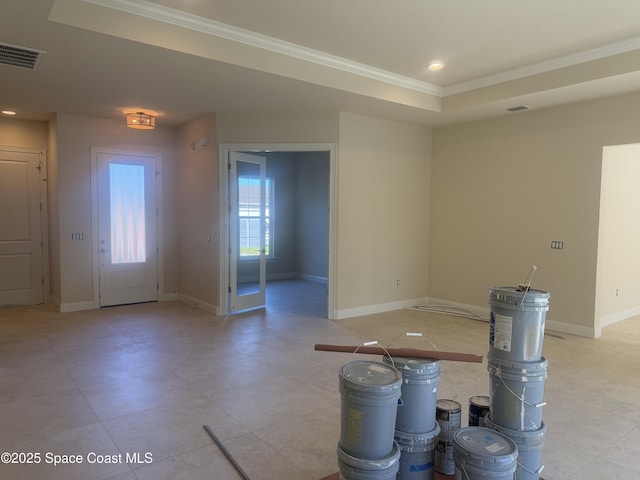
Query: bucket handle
{"x":526,"y":286}
{"x":537,"y":472}
{"x":497,"y":373}
{"x":373,"y":342}
{"x":413,"y":334}
{"x":465,"y":472}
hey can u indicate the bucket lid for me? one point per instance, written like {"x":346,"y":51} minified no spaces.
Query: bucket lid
{"x":521,"y":437}
{"x":417,"y":439}
{"x":516,"y":295}
{"x":373,"y":377}
{"x":448,"y":405}
{"x":387,"y":462}
{"x":415,"y":366}
{"x":480,"y":401}
{"x":486,"y":445}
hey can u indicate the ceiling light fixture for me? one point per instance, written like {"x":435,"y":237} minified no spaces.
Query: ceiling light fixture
{"x":435,"y":66}
{"x":8,"y":112}
{"x":141,"y":119}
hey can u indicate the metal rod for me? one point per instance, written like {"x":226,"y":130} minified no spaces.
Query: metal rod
{"x":225,"y":452}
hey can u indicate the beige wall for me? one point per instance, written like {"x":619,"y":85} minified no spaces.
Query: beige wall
{"x":198,"y":231}
{"x":76,"y":135}
{"x":23,"y":133}
{"x":53,"y":214}
{"x":618,"y":253}
{"x":384,"y":170}
{"x":382,"y":199}
{"x":382,"y":183}
{"x":277,"y":127}
{"x":503,"y":189}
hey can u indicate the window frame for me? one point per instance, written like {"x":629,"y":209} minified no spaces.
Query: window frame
{"x":269,"y":208}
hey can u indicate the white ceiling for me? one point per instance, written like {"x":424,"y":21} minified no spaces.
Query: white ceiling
{"x":186,"y":58}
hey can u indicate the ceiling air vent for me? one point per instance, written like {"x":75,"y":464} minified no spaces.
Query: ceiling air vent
{"x":518,"y":108}
{"x":20,"y":56}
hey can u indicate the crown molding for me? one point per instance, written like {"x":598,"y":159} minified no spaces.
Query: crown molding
{"x":547,"y":66}
{"x":186,"y":20}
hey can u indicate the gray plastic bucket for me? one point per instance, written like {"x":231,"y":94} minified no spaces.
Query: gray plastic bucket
{"x":444,"y":458}
{"x":369,"y":397}
{"x":516,"y":326}
{"x":478,"y":408}
{"x":417,"y":404}
{"x":481,"y":453}
{"x":353,"y":468}
{"x":529,"y":444}
{"x":517,"y":393}
{"x":417,"y":454}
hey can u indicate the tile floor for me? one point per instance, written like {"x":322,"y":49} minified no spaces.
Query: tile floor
{"x":143,"y":380}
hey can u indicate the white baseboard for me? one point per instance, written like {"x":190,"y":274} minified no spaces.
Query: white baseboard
{"x":312,"y":278}
{"x":207,"y":307}
{"x":379,"y":308}
{"x":561,"y":327}
{"x":619,"y":316}
{"x":571,"y":329}
{"x":77,"y":306}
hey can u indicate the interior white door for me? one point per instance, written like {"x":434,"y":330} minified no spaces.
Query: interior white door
{"x":127,"y":223}
{"x":21,"y":281}
{"x":247,"y":227}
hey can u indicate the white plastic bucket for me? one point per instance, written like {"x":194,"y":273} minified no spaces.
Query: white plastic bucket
{"x":516,"y":326}
{"x":417,"y":404}
{"x":484,"y":454}
{"x":369,"y":397}
{"x":353,"y":468}
{"x":517,"y":393}
{"x":417,"y":455}
{"x":529,"y":444}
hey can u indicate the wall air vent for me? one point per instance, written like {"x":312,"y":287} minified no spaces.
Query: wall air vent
{"x":518,"y":108}
{"x":20,"y":56}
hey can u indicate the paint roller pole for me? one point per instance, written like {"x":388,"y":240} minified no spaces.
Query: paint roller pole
{"x":225,"y":452}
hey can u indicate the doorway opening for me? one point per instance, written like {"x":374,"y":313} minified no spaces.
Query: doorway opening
{"x":278,"y":235}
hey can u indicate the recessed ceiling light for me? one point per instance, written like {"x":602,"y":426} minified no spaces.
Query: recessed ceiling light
{"x":8,"y":112}
{"x":436,"y":65}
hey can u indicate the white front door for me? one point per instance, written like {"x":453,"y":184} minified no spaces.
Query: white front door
{"x":21,"y":280}
{"x":247,"y":227}
{"x":127,"y":229}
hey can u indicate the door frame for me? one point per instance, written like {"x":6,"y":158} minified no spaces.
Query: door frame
{"x":247,"y":300}
{"x":223,"y":182}
{"x":95,"y":243}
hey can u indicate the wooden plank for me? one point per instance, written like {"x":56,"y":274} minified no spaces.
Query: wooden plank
{"x":401,"y":352}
